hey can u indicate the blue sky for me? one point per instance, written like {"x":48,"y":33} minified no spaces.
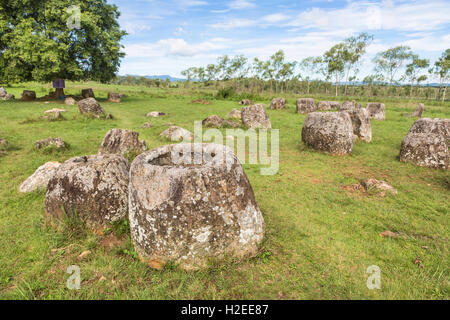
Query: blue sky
{"x":166,"y":37}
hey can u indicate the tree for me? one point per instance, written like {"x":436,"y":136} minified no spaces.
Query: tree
{"x":354,"y":49}
{"x":189,"y":73}
{"x":387,"y":63}
{"x":211,"y":72}
{"x":201,"y":74}
{"x":414,"y":69}
{"x":334,"y":59}
{"x":286,"y":72}
{"x":276,"y":63}
{"x":237,"y":68}
{"x":311,"y":66}
{"x":442,"y":69}
{"x":222,"y":68}
{"x":36,"y":42}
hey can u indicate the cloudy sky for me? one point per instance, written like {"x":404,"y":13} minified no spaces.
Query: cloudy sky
{"x":168,"y":36}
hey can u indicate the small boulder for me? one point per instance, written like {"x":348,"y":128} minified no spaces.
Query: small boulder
{"x":329,"y":131}
{"x":70,"y":101}
{"x":87,"y":93}
{"x":155,"y":114}
{"x":255,"y":117}
{"x":28,"y":95}
{"x":234,"y":114}
{"x":55,"y":113}
{"x":176,"y":134}
{"x":5,"y":95}
{"x":246,"y":102}
{"x":90,"y":106}
{"x":278,"y":104}
{"x":419,"y":110}
{"x":190,"y":203}
{"x":113,"y":97}
{"x":56,"y":110}
{"x":8,"y":96}
{"x":147,"y":125}
{"x":121,"y":141}
{"x":306,"y":105}
{"x":213,"y":121}
{"x":92,"y":188}
{"x":383,"y":186}
{"x":40,"y":178}
{"x":57,"y":143}
{"x":361,"y":124}
{"x":377,"y":111}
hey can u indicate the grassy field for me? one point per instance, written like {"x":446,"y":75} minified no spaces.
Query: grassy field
{"x":321,"y":235}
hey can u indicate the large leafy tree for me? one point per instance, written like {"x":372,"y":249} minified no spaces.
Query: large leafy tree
{"x":37,"y":43}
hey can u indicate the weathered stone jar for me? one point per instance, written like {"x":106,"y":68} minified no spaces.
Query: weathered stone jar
{"x":329,"y":131}
{"x":94,"y":188}
{"x":192,"y":202}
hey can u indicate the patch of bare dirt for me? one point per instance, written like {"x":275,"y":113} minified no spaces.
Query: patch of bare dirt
{"x":200,"y":101}
{"x":110,"y":241}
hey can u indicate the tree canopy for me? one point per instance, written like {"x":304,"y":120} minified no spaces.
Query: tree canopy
{"x":388,"y":62}
{"x":38,"y":44}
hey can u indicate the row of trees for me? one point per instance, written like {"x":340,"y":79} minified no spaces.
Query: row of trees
{"x":341,"y":63}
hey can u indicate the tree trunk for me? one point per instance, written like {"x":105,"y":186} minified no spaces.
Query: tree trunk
{"x":337,"y":83}
{"x":346,"y":81}
{"x":443,"y":95}
{"x":440,"y":88}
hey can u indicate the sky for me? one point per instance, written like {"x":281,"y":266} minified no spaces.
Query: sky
{"x":168,"y":36}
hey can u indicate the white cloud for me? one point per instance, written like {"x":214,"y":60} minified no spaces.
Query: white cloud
{"x":276,"y":17}
{"x":431,"y":43}
{"x":241,"y":4}
{"x":133,"y":28}
{"x":179,"y":31}
{"x":233,"y":23}
{"x":175,"y":47}
{"x":193,"y":3}
{"x":387,"y":15}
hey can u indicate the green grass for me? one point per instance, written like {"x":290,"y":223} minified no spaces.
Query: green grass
{"x":320,"y":238}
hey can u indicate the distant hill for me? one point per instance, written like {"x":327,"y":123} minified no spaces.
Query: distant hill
{"x":164,"y":77}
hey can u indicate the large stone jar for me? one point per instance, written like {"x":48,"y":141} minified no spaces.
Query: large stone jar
{"x":192,"y":202}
